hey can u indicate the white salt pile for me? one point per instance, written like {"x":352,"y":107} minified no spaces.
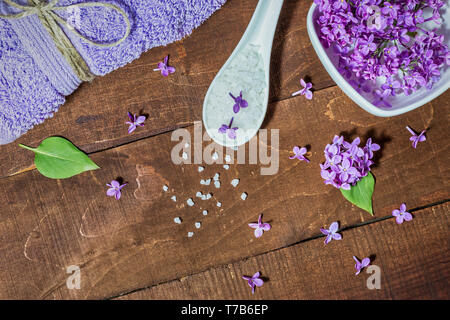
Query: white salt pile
{"x":244,"y":73}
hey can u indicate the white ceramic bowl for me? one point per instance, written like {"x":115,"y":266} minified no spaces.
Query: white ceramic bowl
{"x":400,"y":103}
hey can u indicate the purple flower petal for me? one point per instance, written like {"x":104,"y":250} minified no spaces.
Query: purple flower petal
{"x":334,"y":227}
{"x":258,"y":232}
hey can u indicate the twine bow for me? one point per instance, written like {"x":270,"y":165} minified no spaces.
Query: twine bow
{"x":46,"y":13}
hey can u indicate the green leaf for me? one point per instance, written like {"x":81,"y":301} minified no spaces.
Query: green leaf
{"x":58,"y":158}
{"x":361,"y":194}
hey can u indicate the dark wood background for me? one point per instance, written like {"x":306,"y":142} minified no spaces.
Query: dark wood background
{"x":132,"y":249}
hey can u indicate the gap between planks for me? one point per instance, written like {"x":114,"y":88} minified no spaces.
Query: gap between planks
{"x":354,"y":226}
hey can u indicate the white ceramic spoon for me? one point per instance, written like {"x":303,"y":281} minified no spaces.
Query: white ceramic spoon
{"x":258,"y":36}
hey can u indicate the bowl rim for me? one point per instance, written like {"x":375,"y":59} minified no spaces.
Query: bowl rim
{"x":349,"y":90}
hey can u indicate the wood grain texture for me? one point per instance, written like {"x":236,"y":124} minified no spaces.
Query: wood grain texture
{"x":413,"y":258}
{"x":48,"y":225}
{"x":94,"y":116}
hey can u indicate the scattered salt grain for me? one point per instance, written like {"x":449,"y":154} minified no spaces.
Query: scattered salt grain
{"x":200,"y":169}
{"x":198,"y":194}
{"x":177,"y":220}
{"x":205,"y":212}
{"x":165,"y":188}
{"x":190,"y":234}
{"x":216,"y":177}
{"x":215,"y":156}
{"x":202,"y":181}
{"x":207,"y":182}
{"x":186,"y":145}
{"x":198,"y":225}
{"x":208,"y":196}
{"x":226,"y":167}
{"x":244,"y":196}
{"x":174,"y":198}
{"x":217,"y":184}
{"x":184,"y":156}
{"x":219,"y":204}
{"x":235,"y":182}
{"x":190,"y":202}
{"x":204,"y":197}
{"x":227,"y":158}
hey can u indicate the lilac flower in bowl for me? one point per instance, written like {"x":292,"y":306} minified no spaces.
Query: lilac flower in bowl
{"x":227,"y":129}
{"x":358,"y":52}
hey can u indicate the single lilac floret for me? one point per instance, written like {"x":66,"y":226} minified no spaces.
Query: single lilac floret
{"x":259,"y":227}
{"x":115,"y":189}
{"x":361,"y":264}
{"x":331,"y":233}
{"x":135,"y":122}
{"x":402,"y":215}
{"x":239,"y":102}
{"x":231,"y":132}
{"x":305,"y":91}
{"x":164,"y":67}
{"x":254,"y":281}
{"x":299,"y":154}
{"x":416,"y":138}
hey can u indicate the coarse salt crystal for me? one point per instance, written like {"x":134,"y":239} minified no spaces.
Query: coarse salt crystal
{"x":219,"y":204}
{"x":208,"y":196}
{"x":227,"y":158}
{"x":207,"y":182}
{"x":215,"y":156}
{"x":165,"y":188}
{"x":244,"y":196}
{"x":174,"y":198}
{"x":186,"y":145}
{"x":216,"y":177}
{"x":198,"y":194}
{"x":190,"y":234}
{"x":205,"y":212}
{"x":190,"y":202}
{"x":198,"y":225}
{"x":226,"y":167}
{"x":217,"y":184}
{"x":177,"y":220}
{"x":184,"y":156}
{"x":200,"y":169}
{"x":235,"y":182}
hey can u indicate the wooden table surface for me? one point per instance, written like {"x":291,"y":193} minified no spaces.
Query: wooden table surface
{"x":132,"y":249}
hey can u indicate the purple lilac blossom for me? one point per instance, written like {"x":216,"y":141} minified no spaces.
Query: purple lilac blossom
{"x":260,"y":227}
{"x":305,"y":91}
{"x":299,"y":153}
{"x":165,"y":68}
{"x":401,"y":214}
{"x":135,"y":122}
{"x":347,"y":163}
{"x":231,"y":132}
{"x":416,"y":138}
{"x":254,"y":281}
{"x":239,"y":102}
{"x":331,"y":233}
{"x":361,"y":265}
{"x":375,"y":39}
{"x":114,"y":189}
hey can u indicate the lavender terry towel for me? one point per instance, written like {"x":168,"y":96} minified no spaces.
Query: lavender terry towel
{"x":35,"y":77}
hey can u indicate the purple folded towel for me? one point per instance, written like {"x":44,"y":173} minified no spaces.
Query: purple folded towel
{"x":34,"y":75}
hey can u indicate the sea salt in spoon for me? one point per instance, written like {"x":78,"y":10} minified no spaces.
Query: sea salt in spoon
{"x":256,"y":41}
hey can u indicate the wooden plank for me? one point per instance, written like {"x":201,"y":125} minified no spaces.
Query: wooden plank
{"x":94,"y":116}
{"x":47,"y":225}
{"x":413,"y":258}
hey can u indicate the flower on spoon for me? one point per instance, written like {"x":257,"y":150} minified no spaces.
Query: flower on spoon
{"x":361,"y":265}
{"x":135,"y":122}
{"x":331,"y":233}
{"x":259,"y":227}
{"x":402,"y":214}
{"x":164,"y":68}
{"x":231,"y":132}
{"x":305,"y":91}
{"x":254,"y":281}
{"x":239,"y":102}
{"x":416,"y":138}
{"x":299,"y":154}
{"x":114,"y":189}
